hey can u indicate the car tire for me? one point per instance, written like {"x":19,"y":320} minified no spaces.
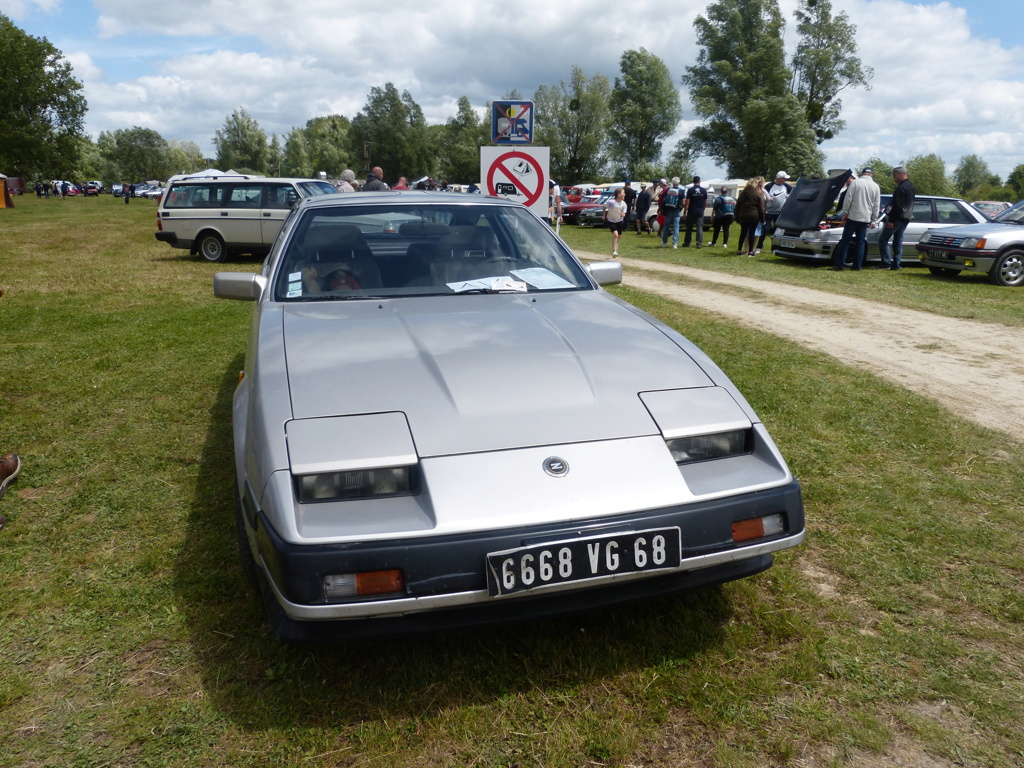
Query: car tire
{"x":211,"y":248}
{"x":944,"y":271}
{"x":1008,"y":269}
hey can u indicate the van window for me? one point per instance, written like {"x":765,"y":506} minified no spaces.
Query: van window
{"x":245,"y":196}
{"x":195,"y":196}
{"x":316,"y":188}
{"x":280,"y":196}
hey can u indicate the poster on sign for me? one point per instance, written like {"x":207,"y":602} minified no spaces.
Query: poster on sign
{"x":519,"y":174}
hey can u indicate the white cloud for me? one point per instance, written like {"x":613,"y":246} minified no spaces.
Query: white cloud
{"x":936,"y":88}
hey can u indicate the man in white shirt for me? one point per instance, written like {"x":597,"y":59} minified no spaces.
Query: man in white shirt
{"x":860,"y":211}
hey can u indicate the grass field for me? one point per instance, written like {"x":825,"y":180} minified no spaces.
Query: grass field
{"x":128,"y":636}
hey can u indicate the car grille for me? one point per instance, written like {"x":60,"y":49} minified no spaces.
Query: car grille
{"x":945,"y":241}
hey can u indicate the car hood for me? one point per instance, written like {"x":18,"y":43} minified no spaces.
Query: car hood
{"x":809,"y":201}
{"x":484,"y":372}
{"x":986,"y":229}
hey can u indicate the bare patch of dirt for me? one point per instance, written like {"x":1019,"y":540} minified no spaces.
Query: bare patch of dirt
{"x":974,"y":369}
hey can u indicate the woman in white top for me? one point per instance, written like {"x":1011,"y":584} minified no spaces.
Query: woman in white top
{"x":615,"y":217}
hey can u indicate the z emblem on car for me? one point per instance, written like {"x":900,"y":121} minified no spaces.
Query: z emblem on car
{"x":556,"y":467}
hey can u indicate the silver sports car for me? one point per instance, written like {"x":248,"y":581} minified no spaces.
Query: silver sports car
{"x":445,"y":420}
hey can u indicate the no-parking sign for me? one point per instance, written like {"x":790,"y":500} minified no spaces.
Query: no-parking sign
{"x":517,"y":174}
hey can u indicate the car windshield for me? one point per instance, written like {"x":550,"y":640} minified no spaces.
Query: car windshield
{"x":1013,"y":215}
{"x":385,"y":250}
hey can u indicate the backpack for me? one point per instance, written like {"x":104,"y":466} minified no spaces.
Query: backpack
{"x":726,"y":205}
{"x":671,"y":198}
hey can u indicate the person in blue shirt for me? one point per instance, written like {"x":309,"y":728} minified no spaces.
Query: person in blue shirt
{"x":694,"y":203}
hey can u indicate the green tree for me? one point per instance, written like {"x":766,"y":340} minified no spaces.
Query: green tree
{"x":928,"y":172}
{"x":1016,"y":181}
{"x":135,"y":154}
{"x":296,"y":156}
{"x":571,"y":119}
{"x":391,"y":132}
{"x":460,"y":140}
{"x":41,"y":106}
{"x":824,"y":65}
{"x":645,"y":110}
{"x":184,"y":157}
{"x":971,"y":173}
{"x":680,"y":162}
{"x":327,"y":144}
{"x":741,"y":85}
{"x":275,"y":156}
{"x":241,"y":144}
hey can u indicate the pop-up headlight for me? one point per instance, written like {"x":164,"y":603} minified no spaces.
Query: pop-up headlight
{"x":356,"y":484}
{"x":686,"y":450}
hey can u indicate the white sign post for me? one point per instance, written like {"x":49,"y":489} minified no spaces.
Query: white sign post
{"x":519,"y":173}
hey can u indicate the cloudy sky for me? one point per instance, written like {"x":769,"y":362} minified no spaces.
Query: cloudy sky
{"x":949,"y":76}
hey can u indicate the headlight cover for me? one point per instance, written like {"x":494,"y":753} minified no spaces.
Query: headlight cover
{"x":357,"y":484}
{"x":693,"y":448}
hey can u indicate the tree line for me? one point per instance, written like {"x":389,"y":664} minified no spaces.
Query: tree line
{"x":759,"y":112}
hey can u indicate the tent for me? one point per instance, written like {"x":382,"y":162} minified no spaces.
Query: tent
{"x":5,"y":193}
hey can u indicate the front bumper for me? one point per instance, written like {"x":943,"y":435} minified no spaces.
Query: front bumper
{"x":446,"y":582}
{"x":962,"y":260}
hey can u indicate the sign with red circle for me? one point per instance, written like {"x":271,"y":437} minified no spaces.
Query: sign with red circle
{"x":519,"y":174}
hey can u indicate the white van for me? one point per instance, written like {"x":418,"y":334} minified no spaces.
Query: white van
{"x":215,"y":217}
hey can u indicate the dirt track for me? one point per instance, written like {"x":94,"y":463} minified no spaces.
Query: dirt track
{"x":975,"y":369}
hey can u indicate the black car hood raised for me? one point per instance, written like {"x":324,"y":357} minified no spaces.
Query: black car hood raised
{"x":809,"y":201}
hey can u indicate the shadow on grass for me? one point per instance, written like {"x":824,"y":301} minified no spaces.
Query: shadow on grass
{"x":259,"y":683}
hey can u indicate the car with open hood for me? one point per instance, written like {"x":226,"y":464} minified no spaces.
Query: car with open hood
{"x":805,"y":232}
{"x":451,"y":422}
{"x":994,"y":248}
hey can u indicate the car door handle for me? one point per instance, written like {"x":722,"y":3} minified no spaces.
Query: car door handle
{"x":223,"y":213}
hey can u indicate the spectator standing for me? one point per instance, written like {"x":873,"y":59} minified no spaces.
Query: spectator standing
{"x":643,"y":205}
{"x":723,"y":210}
{"x":671,"y":207}
{"x":347,"y":182}
{"x":375,"y":181}
{"x":126,"y":192}
{"x":615,"y":213}
{"x":750,"y":212}
{"x":860,"y":211}
{"x":403,"y":183}
{"x":898,"y":216}
{"x":694,"y":203}
{"x":777,"y":194}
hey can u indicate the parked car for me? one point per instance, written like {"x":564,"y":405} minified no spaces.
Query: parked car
{"x":803,"y":233}
{"x":592,"y":217}
{"x":991,"y":208}
{"x":151,"y":192}
{"x":994,"y":248}
{"x":454,"y":424}
{"x":571,"y":212}
{"x":93,"y":187}
{"x":117,"y":190}
{"x":215,"y":217}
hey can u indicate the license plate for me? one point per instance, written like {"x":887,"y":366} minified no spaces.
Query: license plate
{"x":599,"y":557}
{"x":786,"y":244}
{"x":940,"y":255}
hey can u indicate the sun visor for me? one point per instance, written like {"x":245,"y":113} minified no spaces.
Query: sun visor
{"x":346,"y":443}
{"x":810,"y":200}
{"x":701,"y":411}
